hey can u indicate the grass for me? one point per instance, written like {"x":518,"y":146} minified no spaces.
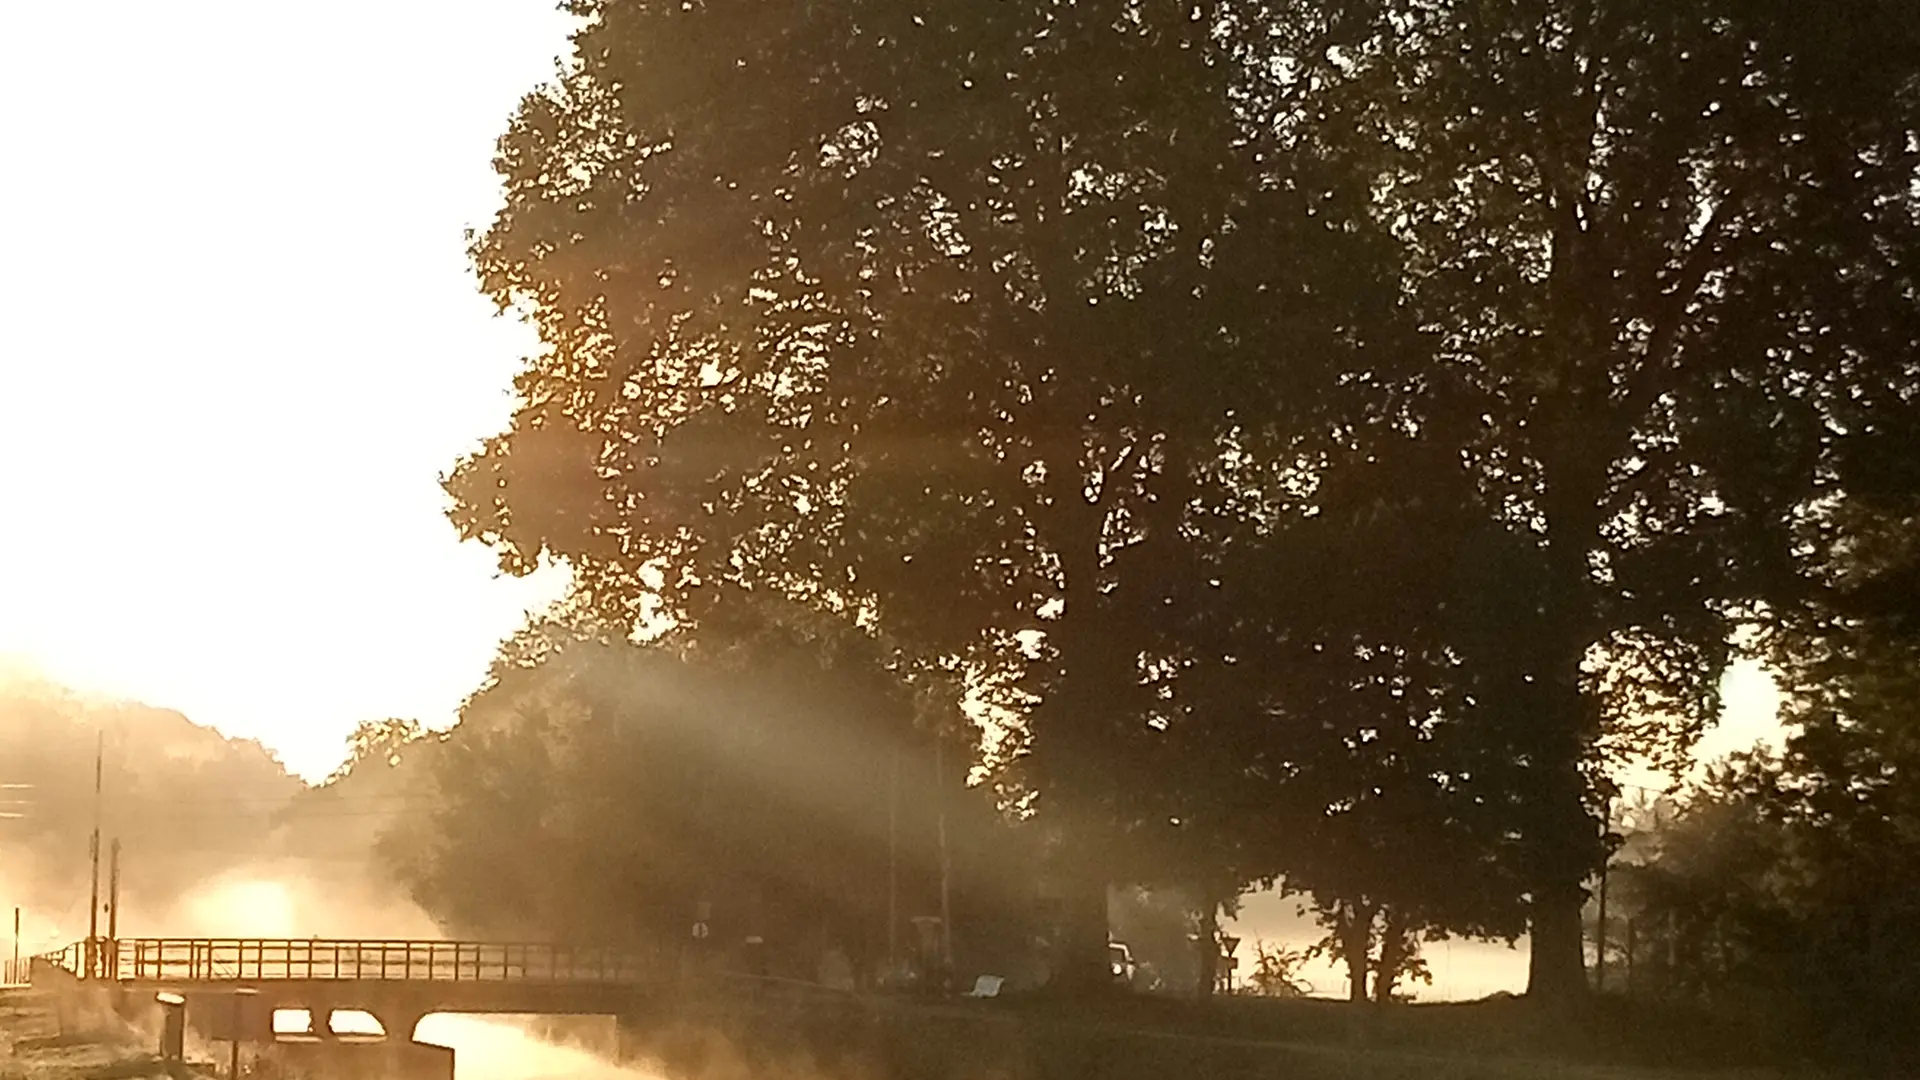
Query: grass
{"x":38,"y":1043}
{"x":1604,"y":1032}
{"x":1127,"y":1038}
{"x":1122,"y":1038}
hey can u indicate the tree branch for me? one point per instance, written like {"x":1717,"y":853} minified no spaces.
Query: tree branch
{"x":1649,"y":381}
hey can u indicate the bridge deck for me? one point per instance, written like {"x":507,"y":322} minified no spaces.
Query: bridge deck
{"x":189,"y":960}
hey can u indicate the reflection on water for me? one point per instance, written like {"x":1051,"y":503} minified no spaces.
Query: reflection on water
{"x":487,"y":1049}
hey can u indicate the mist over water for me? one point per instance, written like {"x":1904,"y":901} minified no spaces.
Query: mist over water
{"x":492,"y":1049}
{"x":206,"y":861}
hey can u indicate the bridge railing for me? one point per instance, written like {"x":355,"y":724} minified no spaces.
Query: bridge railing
{"x":267,"y":959}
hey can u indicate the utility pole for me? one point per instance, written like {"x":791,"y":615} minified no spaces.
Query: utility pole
{"x":93,"y":856}
{"x":113,"y":913}
{"x":946,"y":864}
{"x":11,"y":809}
{"x":893,"y":865}
{"x":1600,"y":959}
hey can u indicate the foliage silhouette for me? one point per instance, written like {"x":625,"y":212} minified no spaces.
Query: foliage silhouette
{"x":1663,"y":262}
{"x":601,"y":790}
{"x":1194,"y":381}
{"x":919,"y":318}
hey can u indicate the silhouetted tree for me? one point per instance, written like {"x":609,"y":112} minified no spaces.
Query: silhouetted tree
{"x":378,"y":743}
{"x":993,"y":324}
{"x":1022,"y":331}
{"x":1275,"y":971}
{"x":599,"y":789}
{"x":1664,"y":259}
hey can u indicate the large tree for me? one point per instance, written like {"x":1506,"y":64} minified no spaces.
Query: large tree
{"x":1665,"y":256}
{"x":1021,"y":331}
{"x":991,"y":325}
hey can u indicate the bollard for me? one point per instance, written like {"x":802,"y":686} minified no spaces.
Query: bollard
{"x":173,"y":1027}
{"x":239,"y":1026}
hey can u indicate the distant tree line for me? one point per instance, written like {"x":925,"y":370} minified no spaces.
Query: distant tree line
{"x":1330,"y":435}
{"x":184,"y":802}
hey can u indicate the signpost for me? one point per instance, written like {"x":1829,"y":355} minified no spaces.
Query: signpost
{"x":1228,"y":946}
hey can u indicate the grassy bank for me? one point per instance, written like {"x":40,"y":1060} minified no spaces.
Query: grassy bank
{"x":1147,"y":1039}
{"x":1603,"y":1032}
{"x":45,"y":1035}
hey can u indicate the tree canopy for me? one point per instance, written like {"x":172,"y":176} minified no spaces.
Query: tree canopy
{"x":601,"y":790}
{"x":1203,"y":377}
{"x":1663,"y":262}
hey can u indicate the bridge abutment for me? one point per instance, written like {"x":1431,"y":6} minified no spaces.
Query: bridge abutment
{"x":400,"y":1021}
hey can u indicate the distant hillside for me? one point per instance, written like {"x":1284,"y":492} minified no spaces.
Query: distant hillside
{"x":188,"y":805}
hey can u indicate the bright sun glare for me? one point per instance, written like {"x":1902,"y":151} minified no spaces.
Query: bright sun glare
{"x":239,"y":342}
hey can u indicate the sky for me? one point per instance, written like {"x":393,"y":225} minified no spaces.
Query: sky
{"x":239,"y":343}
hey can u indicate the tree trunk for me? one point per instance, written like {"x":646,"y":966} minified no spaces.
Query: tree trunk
{"x":1393,"y":952}
{"x":1081,"y":965}
{"x":1600,"y":952}
{"x":1567,"y":841}
{"x":1356,"y":935}
{"x":1567,"y":844}
{"x":1072,"y":753}
{"x":1556,"y":963}
{"x":1209,"y":945}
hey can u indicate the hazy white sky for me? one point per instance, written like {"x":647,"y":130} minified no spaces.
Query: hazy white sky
{"x":238,"y":344}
